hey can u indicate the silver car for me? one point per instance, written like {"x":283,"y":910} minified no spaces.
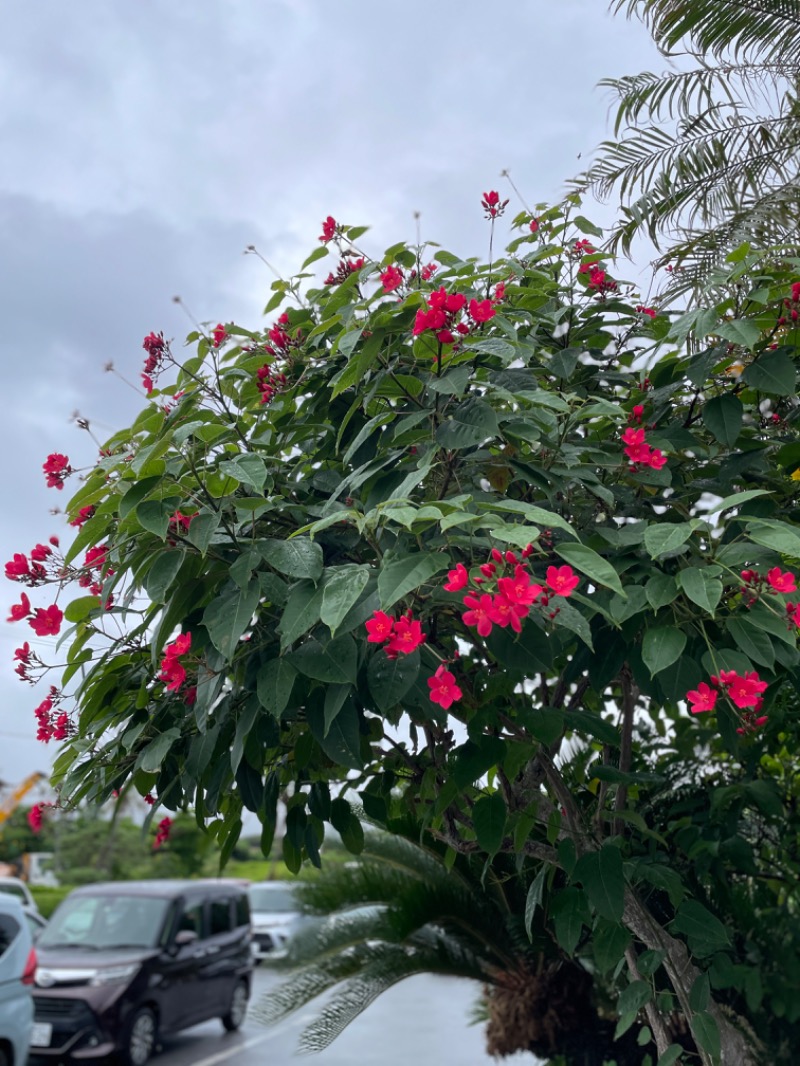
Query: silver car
{"x":274,"y":914}
{"x":17,"y":971}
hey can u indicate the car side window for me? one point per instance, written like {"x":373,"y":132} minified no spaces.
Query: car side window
{"x":8,"y":932}
{"x":192,"y":918}
{"x":242,"y":910}
{"x":220,"y":916}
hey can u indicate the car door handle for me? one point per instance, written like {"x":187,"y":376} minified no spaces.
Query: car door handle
{"x":212,"y":950}
{"x":200,"y":954}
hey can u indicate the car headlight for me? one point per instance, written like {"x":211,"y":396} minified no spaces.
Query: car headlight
{"x":114,"y":974}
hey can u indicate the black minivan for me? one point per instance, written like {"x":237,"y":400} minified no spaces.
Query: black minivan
{"x":121,"y":963}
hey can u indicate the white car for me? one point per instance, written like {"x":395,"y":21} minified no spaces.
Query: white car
{"x":17,"y":973}
{"x":274,"y":915}
{"x":12,"y":886}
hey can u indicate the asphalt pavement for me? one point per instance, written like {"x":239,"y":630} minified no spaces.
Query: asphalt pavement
{"x":423,"y":1020}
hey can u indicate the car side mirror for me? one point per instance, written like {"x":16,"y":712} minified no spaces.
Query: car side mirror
{"x":184,"y":937}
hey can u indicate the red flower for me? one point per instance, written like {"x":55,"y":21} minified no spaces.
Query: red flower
{"x":162,"y":833}
{"x":147,"y":385}
{"x":636,"y":415}
{"x":180,"y":522}
{"x":406,"y":637}
{"x":57,"y":469}
{"x":518,"y":589}
{"x":18,"y":567}
{"x":35,"y":817}
{"x":219,"y":334}
{"x":20,"y":610}
{"x":703,"y":698}
{"x":534,"y":225}
{"x":492,"y":204}
{"x":23,"y":654}
{"x":656,"y":459}
{"x":506,"y":612}
{"x":379,"y":627}
{"x":149,"y":799}
{"x":391,"y":278}
{"x":428,"y":271}
{"x":562,"y":580}
{"x":328,"y":229}
{"x":457,"y":579}
{"x":96,"y":557}
{"x":46,"y":622}
{"x":171,"y":670}
{"x":793,"y":610}
{"x":153,"y":344}
{"x":646,"y":311}
{"x":40,"y":553}
{"x":444,"y":689}
{"x":746,"y":691}
{"x":481,"y":311}
{"x":779,"y":581}
{"x":796,"y":292}
{"x":479,"y":613}
{"x":499,"y":292}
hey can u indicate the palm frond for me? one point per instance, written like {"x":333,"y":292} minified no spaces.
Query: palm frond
{"x":757,"y":29}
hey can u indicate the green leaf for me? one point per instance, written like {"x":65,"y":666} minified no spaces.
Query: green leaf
{"x":634,"y":997}
{"x":701,"y":587}
{"x":489,"y":819}
{"x":609,"y":944}
{"x":335,"y":661}
{"x":151,"y":758}
{"x":754,"y":642}
{"x":592,"y":723}
{"x":739,"y":331}
{"x":162,"y":573}
{"x":82,"y":607}
{"x":401,"y":576}
{"x":342,"y":740}
{"x":670,"y":1056}
{"x":700,"y":993}
{"x":471,"y":423}
{"x":228,"y":616}
{"x":661,"y":647}
{"x":600,"y":873}
{"x":390,"y":679}
{"x":772,"y":372}
{"x":736,"y":500}
{"x":569,"y":911}
{"x":138,"y":491}
{"x":661,"y":590}
{"x":154,"y":517}
{"x":274,"y":685}
{"x":343,"y":586}
{"x":776,"y":535}
{"x":300,"y":613}
{"x":202,"y":529}
{"x":297,"y":557}
{"x":247,"y":470}
{"x":706,"y":1033}
{"x":590,"y":563}
{"x":335,"y":695}
{"x":534,"y":899}
{"x":722,"y":416}
{"x":662,"y":538}
{"x":705,"y":933}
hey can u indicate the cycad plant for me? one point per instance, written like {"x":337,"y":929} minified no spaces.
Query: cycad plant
{"x":705,"y":156}
{"x":398,"y":910}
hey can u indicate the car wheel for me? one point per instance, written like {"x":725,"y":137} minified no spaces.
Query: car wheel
{"x":238,"y":1008}
{"x":4,"y":1059}
{"x":139,"y":1040}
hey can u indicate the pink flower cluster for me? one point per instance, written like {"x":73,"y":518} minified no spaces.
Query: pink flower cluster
{"x":218,"y":335}
{"x":345,"y":268}
{"x":791,"y":303}
{"x":640,"y":452}
{"x":29,"y":573}
{"x":162,"y":832}
{"x":35,"y":816}
{"x":44,"y":621}
{"x":83,"y":515}
{"x":515,"y":594}
{"x":404,"y":635}
{"x":493,"y":205}
{"x":649,"y":311}
{"x":173,"y":672}
{"x":443,"y":310}
{"x":56,"y":470}
{"x":51,"y":726}
{"x":156,"y":347}
{"x":392,"y":278}
{"x":329,"y":229}
{"x":444,"y":689}
{"x":744,"y":691}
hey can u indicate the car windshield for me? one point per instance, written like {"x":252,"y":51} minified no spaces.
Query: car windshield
{"x":275,"y":900}
{"x":100,"y":923}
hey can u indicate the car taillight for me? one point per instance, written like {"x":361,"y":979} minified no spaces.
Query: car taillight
{"x":29,"y":973}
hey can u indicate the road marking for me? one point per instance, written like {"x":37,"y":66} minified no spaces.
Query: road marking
{"x":212,"y":1060}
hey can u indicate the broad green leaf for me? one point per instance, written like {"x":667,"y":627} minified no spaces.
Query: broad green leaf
{"x":274,"y":685}
{"x":739,"y":331}
{"x":661,"y":590}
{"x":666,"y":537}
{"x":776,"y":535}
{"x":609,"y":944}
{"x":661,"y":647}
{"x":705,"y":932}
{"x":772,"y":372}
{"x":343,"y":587}
{"x":634,"y":997}
{"x":202,"y":529}
{"x":533,"y":513}
{"x":151,"y":757}
{"x":569,"y":912}
{"x":722,"y":416}
{"x":247,"y":469}
{"x":82,"y":607}
{"x":601,"y":874}
{"x":390,"y":679}
{"x":401,"y":576}
{"x":136,"y":493}
{"x":342,"y":741}
{"x":297,"y":557}
{"x":671,"y":1055}
{"x":228,"y":616}
{"x":754,"y":642}
{"x":153,"y":516}
{"x":706,"y":1033}
{"x":335,"y":661}
{"x":489,"y":819}
{"x":300,"y":613}
{"x":534,"y":899}
{"x":701,"y":587}
{"x":590,"y":563}
{"x":736,"y":500}
{"x":473,"y":759}
{"x":471,"y":423}
{"x":161,"y":575}
{"x":335,"y":695}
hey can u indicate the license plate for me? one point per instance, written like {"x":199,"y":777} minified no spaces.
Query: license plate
{"x":42,"y":1034}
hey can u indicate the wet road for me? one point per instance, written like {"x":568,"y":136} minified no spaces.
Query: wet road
{"x":422,"y":1021}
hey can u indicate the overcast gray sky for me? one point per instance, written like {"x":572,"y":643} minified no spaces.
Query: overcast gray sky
{"x":146,"y":144}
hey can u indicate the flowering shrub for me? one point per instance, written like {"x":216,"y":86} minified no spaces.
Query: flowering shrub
{"x":427,"y":527}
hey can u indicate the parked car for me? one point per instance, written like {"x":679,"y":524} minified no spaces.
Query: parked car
{"x":123,"y":962}
{"x":276,"y":914}
{"x":17,"y":968}
{"x":12,"y":886}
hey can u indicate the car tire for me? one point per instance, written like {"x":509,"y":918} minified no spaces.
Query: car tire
{"x":139,"y":1038}
{"x":238,"y":1007}
{"x":4,"y":1057}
